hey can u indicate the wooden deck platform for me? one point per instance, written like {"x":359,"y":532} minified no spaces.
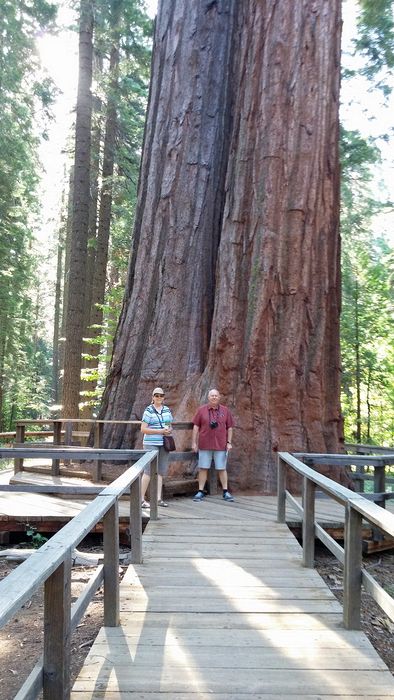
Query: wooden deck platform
{"x":50,"y":512}
{"x":222,"y":608}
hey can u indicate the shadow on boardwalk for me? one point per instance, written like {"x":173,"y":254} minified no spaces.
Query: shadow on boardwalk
{"x":222,"y":608}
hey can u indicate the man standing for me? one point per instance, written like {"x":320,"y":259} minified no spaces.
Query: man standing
{"x":212,"y":438}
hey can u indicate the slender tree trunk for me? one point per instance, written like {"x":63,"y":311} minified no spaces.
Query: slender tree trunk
{"x":80,"y":225}
{"x":93,"y":208}
{"x":86,"y":385}
{"x":358,"y":365}
{"x":105,"y":209}
{"x":57,"y":318}
{"x":368,"y":402}
{"x":2,"y":377}
{"x":234,"y":280}
{"x":66,"y":276}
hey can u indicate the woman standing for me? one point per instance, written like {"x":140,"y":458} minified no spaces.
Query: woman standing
{"x":156,"y":422}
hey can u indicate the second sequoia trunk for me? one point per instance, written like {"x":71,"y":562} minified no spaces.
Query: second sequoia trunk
{"x":235,"y":282}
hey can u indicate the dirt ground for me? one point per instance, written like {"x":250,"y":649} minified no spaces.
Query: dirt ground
{"x":21,"y":639}
{"x":375,"y":623}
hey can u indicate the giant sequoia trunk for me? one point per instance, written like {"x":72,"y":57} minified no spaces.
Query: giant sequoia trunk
{"x":234,"y":280}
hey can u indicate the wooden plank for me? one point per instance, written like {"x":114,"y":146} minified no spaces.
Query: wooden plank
{"x":111,"y":567}
{"x":221,"y":605}
{"x":77,"y":453}
{"x":57,"y":626}
{"x":143,"y":621}
{"x":319,"y":639}
{"x":115,"y":695}
{"x":378,"y":593}
{"x":345,"y":460}
{"x":236,"y":681}
{"x":248,"y":657}
{"x":217,"y":614}
{"x":235,"y":593}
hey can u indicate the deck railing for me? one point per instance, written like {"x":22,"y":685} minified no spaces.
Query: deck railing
{"x":379,"y":463}
{"x":360,"y":476}
{"x":65,"y":430}
{"x":357,"y":508}
{"x":51,"y":565}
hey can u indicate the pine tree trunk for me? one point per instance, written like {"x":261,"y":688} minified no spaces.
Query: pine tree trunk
{"x":234,"y":280}
{"x":105,"y":208}
{"x":88,"y":349}
{"x":57,"y":319}
{"x":80,"y":223}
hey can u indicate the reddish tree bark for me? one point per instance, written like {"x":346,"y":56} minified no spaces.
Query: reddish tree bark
{"x":235,"y":281}
{"x":169,"y":298}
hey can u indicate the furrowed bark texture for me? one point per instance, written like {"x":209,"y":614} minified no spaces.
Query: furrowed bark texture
{"x":168,"y":308}
{"x":80,"y":222}
{"x":248,"y":300}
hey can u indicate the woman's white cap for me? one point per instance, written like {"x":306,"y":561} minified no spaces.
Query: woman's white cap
{"x":158,"y":390}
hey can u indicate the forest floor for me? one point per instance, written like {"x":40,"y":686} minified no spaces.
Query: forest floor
{"x":21,"y":639}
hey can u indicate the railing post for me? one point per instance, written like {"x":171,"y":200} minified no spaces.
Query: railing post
{"x":57,"y":439}
{"x":308,"y":523}
{"x":19,"y":439}
{"x":136,"y":521}
{"x":111,"y":566}
{"x":98,"y":442}
{"x":153,"y":488}
{"x":379,"y":481}
{"x":281,"y":513}
{"x":57,"y":631}
{"x":68,"y":435}
{"x":352,"y":569}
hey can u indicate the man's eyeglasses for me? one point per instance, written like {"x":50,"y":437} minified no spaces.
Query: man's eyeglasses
{"x":160,"y":395}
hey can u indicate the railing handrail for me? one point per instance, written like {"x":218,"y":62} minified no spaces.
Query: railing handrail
{"x":372,"y":460}
{"x":51,"y":565}
{"x":373,"y":513}
{"x":179,"y":425}
{"x":357,"y":507}
{"x":365,"y":446}
{"x":20,"y":584}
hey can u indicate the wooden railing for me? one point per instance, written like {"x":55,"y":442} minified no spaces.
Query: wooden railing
{"x":51,"y":565}
{"x":356,"y":507}
{"x":363,"y":449}
{"x":360,"y":476}
{"x":380,"y":463}
{"x":65,"y":429}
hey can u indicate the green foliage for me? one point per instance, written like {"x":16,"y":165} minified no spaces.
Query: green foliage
{"x":376,"y":38}
{"x":25,"y":97}
{"x":129,"y":96}
{"x":35,"y":538}
{"x":367,"y":325}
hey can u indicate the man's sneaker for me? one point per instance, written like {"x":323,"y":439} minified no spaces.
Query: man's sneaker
{"x":199,"y":496}
{"x":145,"y":504}
{"x":227,"y":496}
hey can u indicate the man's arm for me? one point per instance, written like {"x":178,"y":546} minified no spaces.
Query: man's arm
{"x":195,"y":438}
{"x":229,"y":438}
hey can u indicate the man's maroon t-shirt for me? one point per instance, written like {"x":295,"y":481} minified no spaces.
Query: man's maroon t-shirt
{"x":213,"y":438}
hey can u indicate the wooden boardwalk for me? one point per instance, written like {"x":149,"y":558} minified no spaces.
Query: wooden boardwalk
{"x":222,"y":608}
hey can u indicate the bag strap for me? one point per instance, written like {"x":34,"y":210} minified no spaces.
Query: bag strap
{"x":158,"y":415}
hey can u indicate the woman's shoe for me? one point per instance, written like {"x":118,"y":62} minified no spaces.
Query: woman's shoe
{"x":145,"y":504}
{"x":162,"y":504}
